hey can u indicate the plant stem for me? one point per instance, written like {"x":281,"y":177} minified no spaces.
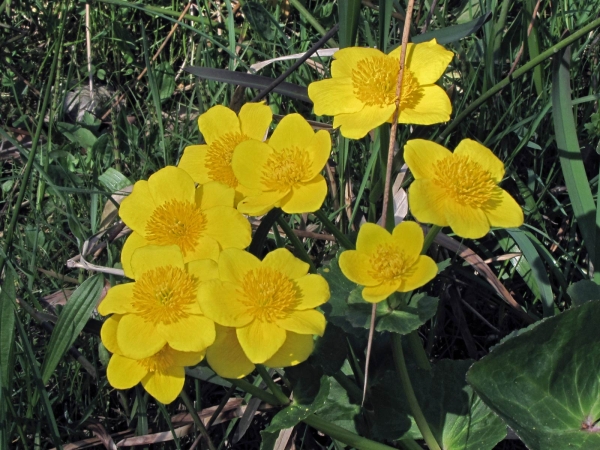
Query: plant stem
{"x":261,"y":233}
{"x":296,"y":243}
{"x":418,"y":351}
{"x":257,"y":392}
{"x":411,"y":398}
{"x":339,"y":236}
{"x":430,"y":237}
{"x":276,"y":390}
{"x":190,"y":406}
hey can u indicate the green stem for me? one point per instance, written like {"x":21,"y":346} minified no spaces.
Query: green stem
{"x":255,"y":391}
{"x":310,"y":19}
{"x":430,"y":237}
{"x":516,"y":74}
{"x":276,"y":390}
{"x":418,"y":351}
{"x":189,"y":405}
{"x":296,"y":242}
{"x":411,"y":398}
{"x":354,"y":392}
{"x":261,"y":233}
{"x":340,"y":237}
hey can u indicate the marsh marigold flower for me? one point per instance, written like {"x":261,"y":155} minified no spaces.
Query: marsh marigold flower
{"x":285,"y":171}
{"x":161,"y":374}
{"x":223,"y":130}
{"x":161,"y":307}
{"x":386,"y":263}
{"x":459,"y":189}
{"x":169,"y":210}
{"x":361,"y":94}
{"x":265,"y":301}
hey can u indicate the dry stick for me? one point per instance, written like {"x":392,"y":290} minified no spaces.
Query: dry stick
{"x":388,"y":172}
{"x":529,"y":29}
{"x":154,"y":58}
{"x":88,"y":41}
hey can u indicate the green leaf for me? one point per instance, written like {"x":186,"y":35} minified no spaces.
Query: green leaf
{"x":583,"y":291}
{"x":349,"y":14}
{"x":113,"y":180}
{"x":71,"y":321}
{"x":338,"y":409}
{"x":260,"y":20}
{"x":165,"y":79}
{"x":340,"y":289}
{"x":544,"y":383}
{"x":330,"y":350}
{"x":77,"y":134}
{"x":454,"y":33}
{"x":7,"y":326}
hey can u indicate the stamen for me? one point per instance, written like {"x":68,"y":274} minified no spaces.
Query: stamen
{"x":285,"y":168}
{"x":218,"y":158}
{"x":269,"y":294}
{"x":389,"y":263}
{"x":158,"y":362}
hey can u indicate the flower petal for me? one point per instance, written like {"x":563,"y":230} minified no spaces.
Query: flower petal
{"x":260,"y":340}
{"x":248,"y":161}
{"x":292,"y":131}
{"x":220,"y":301}
{"x":296,"y":349}
{"x":205,"y":248}
{"x":283,"y":261}
{"x":421,"y":157}
{"x":467,"y":222}
{"x":217,"y":122}
{"x":257,"y":205}
{"x":171,"y":183}
{"x":305,"y":197}
{"x":187,"y":359}
{"x":347,"y":59}
{"x":118,"y":300}
{"x":153,"y":256}
{"x":427,"y":202}
{"x":482,"y":155}
{"x":255,"y":119}
{"x":409,"y":237}
{"x":108,"y":333}
{"x":371,"y":236}
{"x":502,"y":210}
{"x":226,"y":356}
{"x":193,"y":161}
{"x":214,"y":194}
{"x":319,"y":150}
{"x":334,"y":96}
{"x":165,"y":385}
{"x":124,"y":373}
{"x":356,"y":267}
{"x":228,"y":227}
{"x":203,"y":269}
{"x":133,"y":242}
{"x":309,"y":321}
{"x":421,"y":273}
{"x":137,"y":208}
{"x":235,"y":263}
{"x":375,"y":294}
{"x":428,"y":61}
{"x":190,"y":334}
{"x":356,"y":125}
{"x":314,"y":291}
{"x":137,"y":338}
{"x":432,"y":107}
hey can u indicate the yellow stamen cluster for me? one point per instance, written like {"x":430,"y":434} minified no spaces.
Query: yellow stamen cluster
{"x":269,"y":294}
{"x":285,"y":168}
{"x":218,"y":158}
{"x":389,"y":263}
{"x":158,"y":362}
{"x":464,"y":180}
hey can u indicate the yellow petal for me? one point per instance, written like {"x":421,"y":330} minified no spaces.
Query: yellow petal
{"x":421,"y":273}
{"x":305,"y":197}
{"x":137,"y":338}
{"x":398,"y":50}
{"x":357,"y":125}
{"x":309,"y":321}
{"x":283,"y":261}
{"x":203,"y":269}
{"x":216,"y":122}
{"x":187,"y":359}
{"x":255,"y":119}
{"x":124,"y":373}
{"x":334,"y":96}
{"x":428,"y":61}
{"x":137,"y":208}
{"x":206,"y":248}
{"x":133,"y":242}
{"x":193,"y":161}
{"x":347,"y":59}
{"x":190,"y":334}
{"x":371,"y":236}
{"x":165,"y":385}
{"x":292,"y":131}
{"x":319,"y":150}
{"x":118,"y":300}
{"x":220,"y":301}
{"x":503,"y":211}
{"x":226,"y":356}
{"x":409,"y":237}
{"x":467,"y":222}
{"x":257,"y":205}
{"x":228,"y":227}
{"x":432,"y":107}
{"x":235,"y":263}
{"x":214,"y":194}
{"x":260,"y":340}
{"x":249,"y":158}
{"x":421,"y":157}
{"x":108,"y":333}
{"x":427,"y":202}
{"x":153,"y":256}
{"x":296,"y":349}
{"x":356,"y":267}
{"x":171,"y":183}
{"x":314,"y":291}
{"x":482,"y":155}
{"x":375,"y":294}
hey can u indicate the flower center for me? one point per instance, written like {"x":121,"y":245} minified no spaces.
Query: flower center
{"x":464,"y":180}
{"x":285,"y":168}
{"x":268,"y":294}
{"x":163,"y":295}
{"x":388,"y":263}
{"x":374,"y":80}
{"x":176,"y":223}
{"x":158,"y":362}
{"x":218,"y":158}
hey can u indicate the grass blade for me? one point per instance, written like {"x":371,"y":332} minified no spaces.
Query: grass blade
{"x":7,"y":326}
{"x":454,"y":33}
{"x":349,"y":14}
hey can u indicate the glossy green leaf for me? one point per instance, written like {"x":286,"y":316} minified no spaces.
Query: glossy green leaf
{"x":330,"y":350}
{"x":544,"y":382}
{"x":77,"y":134}
{"x":583,"y":291}
{"x":339,"y":409}
{"x":113,"y":180}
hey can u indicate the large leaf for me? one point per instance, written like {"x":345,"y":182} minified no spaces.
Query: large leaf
{"x":545,"y":382}
{"x":454,"y":33}
{"x":113,"y":180}
{"x":330,"y":350}
{"x":7,"y":326}
{"x":71,"y":321}
{"x":77,"y":134}
{"x":583,"y":291}
{"x":339,"y":409}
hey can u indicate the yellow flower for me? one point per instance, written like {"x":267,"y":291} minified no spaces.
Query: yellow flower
{"x":161,"y":374}
{"x":222,"y":131}
{"x":459,"y":189}
{"x":162,"y":306}
{"x":228,"y":360}
{"x":386,"y":263}
{"x":361,"y":94}
{"x":286,"y":171}
{"x":265,"y":300}
{"x":169,"y":210}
